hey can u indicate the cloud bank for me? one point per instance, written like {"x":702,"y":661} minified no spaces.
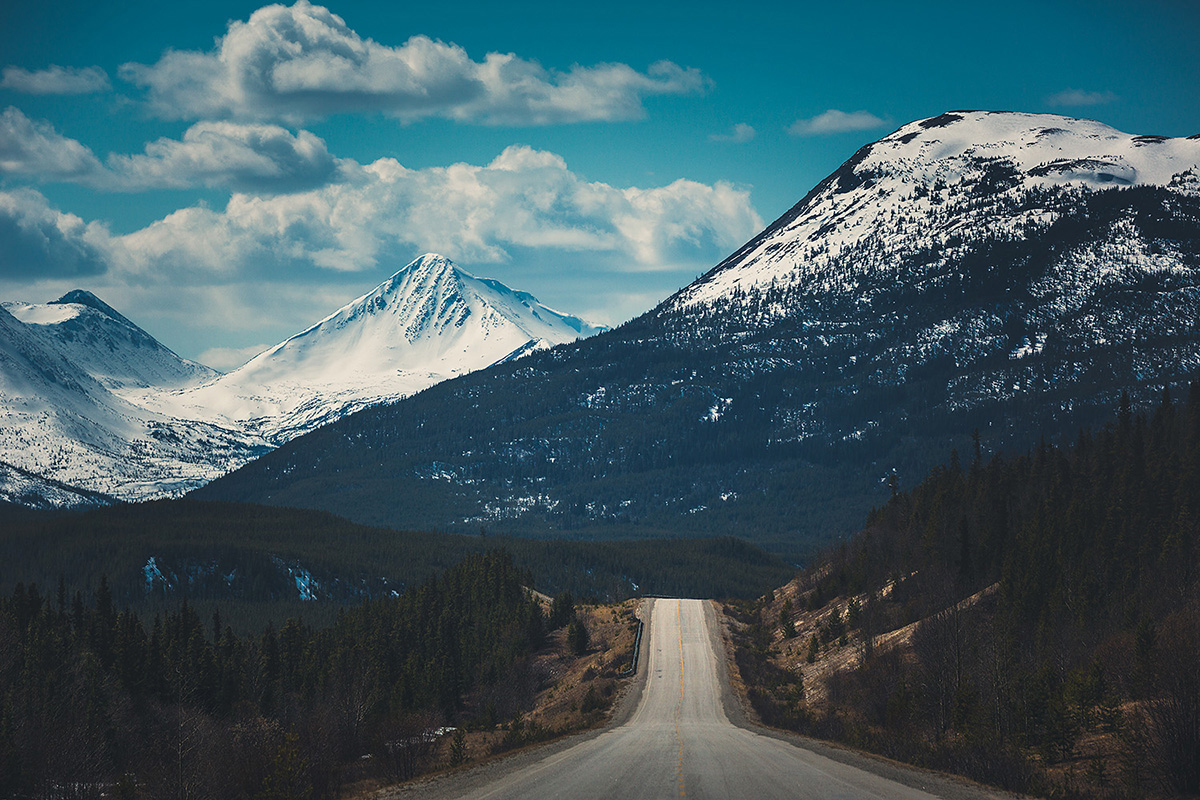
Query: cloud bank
{"x":247,"y":158}
{"x":37,"y":241}
{"x":303,"y":62}
{"x":36,"y":149}
{"x":524,"y":198}
{"x":261,"y":159}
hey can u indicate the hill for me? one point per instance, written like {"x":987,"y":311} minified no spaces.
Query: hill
{"x":1031,"y":620}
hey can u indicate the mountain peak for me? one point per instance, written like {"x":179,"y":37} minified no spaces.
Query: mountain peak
{"x":428,"y":270}
{"x":83,"y":297}
{"x":936,"y":183}
{"x":428,"y":322}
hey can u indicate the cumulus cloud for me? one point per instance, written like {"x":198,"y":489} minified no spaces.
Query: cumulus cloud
{"x":524,"y":199}
{"x":55,"y":80}
{"x":263,"y":267}
{"x":303,"y":61}
{"x":248,"y":158}
{"x":1079,"y":97}
{"x":739,"y":134}
{"x":35,"y":148}
{"x":37,"y":241}
{"x":835,"y":121}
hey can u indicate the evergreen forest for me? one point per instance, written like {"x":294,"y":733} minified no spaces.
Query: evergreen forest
{"x":99,"y":701}
{"x":262,"y":564}
{"x":1056,"y":602}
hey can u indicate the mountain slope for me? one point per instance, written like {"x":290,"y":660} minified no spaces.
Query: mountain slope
{"x":1006,"y":272}
{"x":95,"y":337}
{"x":61,"y":429}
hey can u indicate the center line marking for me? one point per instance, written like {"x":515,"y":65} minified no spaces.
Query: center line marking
{"x":679,"y":707}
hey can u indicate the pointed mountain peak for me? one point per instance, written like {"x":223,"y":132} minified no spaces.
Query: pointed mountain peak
{"x":83,"y":297}
{"x":428,"y":270}
{"x":431,"y":261}
{"x":430,"y":264}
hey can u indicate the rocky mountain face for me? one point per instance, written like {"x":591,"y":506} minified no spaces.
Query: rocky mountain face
{"x":94,"y":408}
{"x":1010,"y":273}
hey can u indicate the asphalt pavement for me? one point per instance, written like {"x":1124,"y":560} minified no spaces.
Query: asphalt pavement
{"x":679,"y":742}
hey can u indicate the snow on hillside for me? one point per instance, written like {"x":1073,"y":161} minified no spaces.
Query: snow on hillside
{"x":61,"y":427}
{"x":941,"y":181}
{"x":90,"y":400}
{"x":87,"y":332}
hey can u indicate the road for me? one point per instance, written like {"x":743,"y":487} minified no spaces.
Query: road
{"x":680,"y":743}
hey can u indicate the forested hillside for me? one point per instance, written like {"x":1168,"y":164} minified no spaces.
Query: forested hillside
{"x":98,"y":702}
{"x":260,"y":563}
{"x":1055,"y":596}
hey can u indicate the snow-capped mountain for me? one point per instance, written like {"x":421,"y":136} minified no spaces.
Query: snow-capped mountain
{"x":429,"y":322}
{"x":93,"y":336}
{"x":947,"y":182}
{"x":91,"y":402}
{"x":1017,"y":257}
{"x":1006,"y":272}
{"x":67,"y":438}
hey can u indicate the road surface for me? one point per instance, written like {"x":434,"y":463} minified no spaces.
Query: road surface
{"x":680,"y":743}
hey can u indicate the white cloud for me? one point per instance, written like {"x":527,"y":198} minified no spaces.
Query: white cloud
{"x":523,"y":200}
{"x":254,"y":158}
{"x":35,"y":148}
{"x":55,"y":80}
{"x":264,"y":267}
{"x":834,"y":121}
{"x":1079,"y":97}
{"x":299,"y":62}
{"x":739,"y":134}
{"x":37,"y":241}
{"x":248,"y":158}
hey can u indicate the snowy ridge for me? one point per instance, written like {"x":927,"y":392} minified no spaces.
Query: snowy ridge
{"x":938,"y":180}
{"x":429,"y":322}
{"x":90,"y":400}
{"x":90,"y":334}
{"x":61,"y":428}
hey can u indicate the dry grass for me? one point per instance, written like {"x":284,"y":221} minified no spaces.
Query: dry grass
{"x":562,"y":703}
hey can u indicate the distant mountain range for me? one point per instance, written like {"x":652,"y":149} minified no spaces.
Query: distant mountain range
{"x":94,"y":409}
{"x":1006,"y":272}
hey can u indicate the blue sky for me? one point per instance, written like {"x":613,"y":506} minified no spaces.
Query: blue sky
{"x":227,"y":186}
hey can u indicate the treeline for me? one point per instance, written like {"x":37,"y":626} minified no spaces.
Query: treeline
{"x":95,"y":701}
{"x":248,"y":558}
{"x":1060,"y":637}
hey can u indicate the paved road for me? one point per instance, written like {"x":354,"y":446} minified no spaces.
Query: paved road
{"x":679,"y":742}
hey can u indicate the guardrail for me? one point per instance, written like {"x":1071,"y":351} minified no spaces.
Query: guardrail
{"x":637,"y":647}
